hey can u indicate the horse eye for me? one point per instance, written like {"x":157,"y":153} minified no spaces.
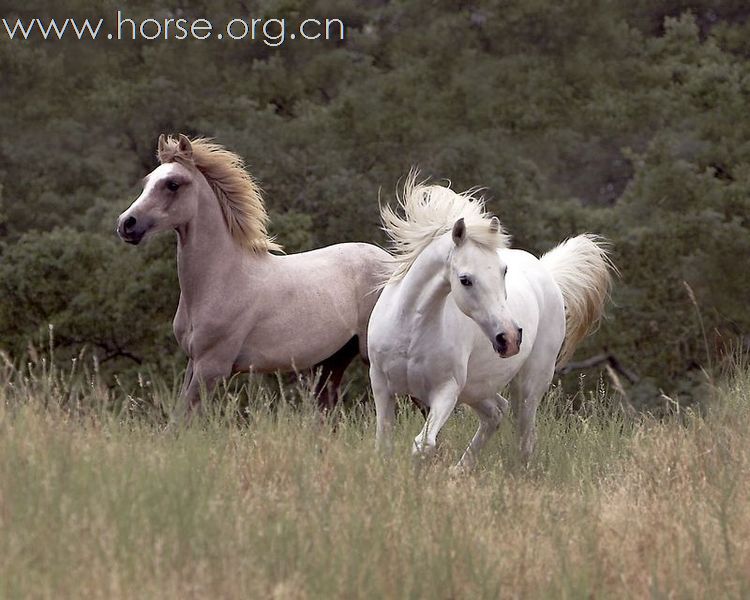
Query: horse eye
{"x":173,"y":186}
{"x":465,"y":280}
{"x":505,"y":271}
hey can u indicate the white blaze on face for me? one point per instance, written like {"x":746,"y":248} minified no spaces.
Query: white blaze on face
{"x":156,"y":181}
{"x":163,"y":204}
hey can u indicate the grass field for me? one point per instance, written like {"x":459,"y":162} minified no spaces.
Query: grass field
{"x":98,"y":500}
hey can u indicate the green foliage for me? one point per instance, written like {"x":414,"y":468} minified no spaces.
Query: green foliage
{"x":624,"y":118}
{"x":117,"y":303}
{"x":2,"y":213}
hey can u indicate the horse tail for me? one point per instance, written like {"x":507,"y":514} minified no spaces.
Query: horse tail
{"x":582,"y":269}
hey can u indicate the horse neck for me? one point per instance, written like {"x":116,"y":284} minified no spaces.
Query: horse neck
{"x":425,"y":284}
{"x":206,"y":251}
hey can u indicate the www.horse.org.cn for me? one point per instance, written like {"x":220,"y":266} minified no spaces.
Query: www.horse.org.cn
{"x":270,"y":31}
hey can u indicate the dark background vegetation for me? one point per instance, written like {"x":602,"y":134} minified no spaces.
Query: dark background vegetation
{"x":627,"y":118}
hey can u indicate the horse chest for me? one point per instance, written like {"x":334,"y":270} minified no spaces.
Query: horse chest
{"x":413,"y":357}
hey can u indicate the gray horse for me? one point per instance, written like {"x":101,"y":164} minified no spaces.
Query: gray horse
{"x":241,"y":307}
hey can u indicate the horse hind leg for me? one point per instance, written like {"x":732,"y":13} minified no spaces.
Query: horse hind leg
{"x":331,"y":372}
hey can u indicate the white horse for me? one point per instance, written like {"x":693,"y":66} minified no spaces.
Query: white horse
{"x":241,"y":307}
{"x":463,"y":316}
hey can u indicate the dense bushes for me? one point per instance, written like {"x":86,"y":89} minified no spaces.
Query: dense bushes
{"x":117,"y":303}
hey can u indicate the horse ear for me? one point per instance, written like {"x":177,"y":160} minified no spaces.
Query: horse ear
{"x":459,"y":232}
{"x":161,"y":149}
{"x":494,"y":225}
{"x":184,"y":147}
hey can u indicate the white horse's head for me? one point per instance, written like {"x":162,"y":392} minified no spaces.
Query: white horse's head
{"x":169,"y":199}
{"x":477,"y":280}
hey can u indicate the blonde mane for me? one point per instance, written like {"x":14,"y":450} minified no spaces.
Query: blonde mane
{"x":237,"y":192}
{"x":431,"y":211}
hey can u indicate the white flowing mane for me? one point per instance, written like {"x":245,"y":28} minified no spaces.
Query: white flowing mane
{"x":431,"y":211}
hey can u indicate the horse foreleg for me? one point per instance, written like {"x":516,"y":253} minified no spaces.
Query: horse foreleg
{"x":441,"y":403}
{"x":385,"y":409}
{"x":490,"y":412}
{"x":188,"y":378}
{"x":203,"y":376}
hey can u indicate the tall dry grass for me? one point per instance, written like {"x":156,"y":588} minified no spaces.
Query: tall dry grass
{"x":261,"y":499}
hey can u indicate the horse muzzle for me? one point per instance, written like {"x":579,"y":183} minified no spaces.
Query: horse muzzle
{"x":508,"y":345}
{"x":131,"y":230}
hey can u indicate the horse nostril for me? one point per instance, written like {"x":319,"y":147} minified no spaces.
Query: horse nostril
{"x":500,"y":339}
{"x":128,"y":224}
{"x":520,"y":335}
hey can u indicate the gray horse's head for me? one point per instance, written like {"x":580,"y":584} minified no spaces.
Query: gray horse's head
{"x":169,"y":198}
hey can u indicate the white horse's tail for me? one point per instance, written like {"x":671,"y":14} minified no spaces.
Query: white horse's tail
{"x":582,"y":269}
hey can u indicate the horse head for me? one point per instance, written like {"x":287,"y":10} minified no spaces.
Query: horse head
{"x":170,"y":194}
{"x":477,"y":280}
